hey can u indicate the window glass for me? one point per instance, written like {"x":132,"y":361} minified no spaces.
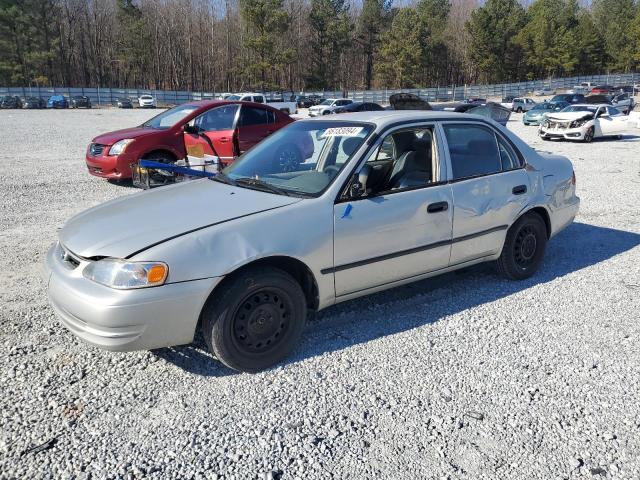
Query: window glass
{"x":508,"y":157}
{"x":258,"y":99}
{"x":271,"y":116}
{"x":252,"y":116}
{"x":169,"y":118}
{"x":217,"y":119}
{"x":613,"y":111}
{"x":302,"y":158}
{"x":404,"y":160}
{"x":473,"y":150}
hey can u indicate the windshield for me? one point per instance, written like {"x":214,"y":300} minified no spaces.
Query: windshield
{"x":232,"y":97}
{"x":327,"y":102}
{"x":302,"y":158}
{"x":580,"y":108}
{"x":169,"y":118}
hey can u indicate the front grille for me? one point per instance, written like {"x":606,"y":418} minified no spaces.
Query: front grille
{"x":96,"y":149}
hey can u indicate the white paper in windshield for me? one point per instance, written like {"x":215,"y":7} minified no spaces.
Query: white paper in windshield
{"x":342,"y":132}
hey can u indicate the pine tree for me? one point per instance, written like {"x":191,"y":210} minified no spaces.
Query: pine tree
{"x":612,"y":19}
{"x":369,"y":29}
{"x":330,"y":28}
{"x":493,"y":28}
{"x":265,"y":20}
{"x":402,"y":52}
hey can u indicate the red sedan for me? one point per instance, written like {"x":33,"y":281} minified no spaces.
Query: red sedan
{"x":230,"y":127}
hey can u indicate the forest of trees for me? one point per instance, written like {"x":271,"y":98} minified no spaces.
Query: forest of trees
{"x":230,"y":45}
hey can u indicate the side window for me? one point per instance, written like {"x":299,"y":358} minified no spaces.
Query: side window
{"x":271,"y":116}
{"x":217,"y":119}
{"x":252,"y":116}
{"x":508,"y":157}
{"x":473,"y":150}
{"x":613,"y":111}
{"x":403,"y":160}
{"x":258,"y":99}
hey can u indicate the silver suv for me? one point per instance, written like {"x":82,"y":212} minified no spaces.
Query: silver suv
{"x":523,"y":104}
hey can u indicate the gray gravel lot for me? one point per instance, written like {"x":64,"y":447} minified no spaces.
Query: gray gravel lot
{"x":466,"y":376}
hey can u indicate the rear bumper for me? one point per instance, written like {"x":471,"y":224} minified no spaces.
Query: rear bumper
{"x":125,"y":320}
{"x":563,"y":217}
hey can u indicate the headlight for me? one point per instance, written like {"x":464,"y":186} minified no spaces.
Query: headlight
{"x":577,"y":123}
{"x":125,"y":275}
{"x":118,"y":147}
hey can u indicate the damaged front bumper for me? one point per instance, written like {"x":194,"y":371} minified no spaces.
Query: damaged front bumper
{"x":124,"y":320}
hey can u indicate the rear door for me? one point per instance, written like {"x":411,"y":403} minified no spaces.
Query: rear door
{"x":490,"y":188}
{"x":216,"y":135}
{"x":255,"y":123}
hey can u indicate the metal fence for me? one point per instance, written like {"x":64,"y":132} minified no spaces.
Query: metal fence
{"x":108,"y":96}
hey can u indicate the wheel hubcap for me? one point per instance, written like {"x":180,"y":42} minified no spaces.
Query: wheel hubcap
{"x":261,"y":321}
{"x":525,"y":246}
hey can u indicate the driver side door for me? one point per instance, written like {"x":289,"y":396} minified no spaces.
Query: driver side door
{"x":395,"y":234}
{"x":215,"y":137}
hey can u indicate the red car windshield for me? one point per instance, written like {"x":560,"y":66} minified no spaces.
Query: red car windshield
{"x":169,"y":118}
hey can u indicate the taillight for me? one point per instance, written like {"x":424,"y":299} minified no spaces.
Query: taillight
{"x":573,"y":177}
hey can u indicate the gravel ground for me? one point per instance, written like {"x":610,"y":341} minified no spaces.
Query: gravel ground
{"x":466,"y":376}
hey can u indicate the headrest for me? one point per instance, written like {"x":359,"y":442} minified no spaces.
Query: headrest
{"x":422,"y":143}
{"x":403,"y":141}
{"x":350,"y":145}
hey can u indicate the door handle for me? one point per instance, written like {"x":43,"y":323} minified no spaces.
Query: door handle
{"x":223,"y":139}
{"x":519,"y":190}
{"x":437,"y":207}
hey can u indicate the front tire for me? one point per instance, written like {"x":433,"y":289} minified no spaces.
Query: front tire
{"x":588,"y":136}
{"x":524,"y":247}
{"x":255,"y":320}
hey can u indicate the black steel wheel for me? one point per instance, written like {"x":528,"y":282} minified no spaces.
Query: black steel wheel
{"x":524,"y":247}
{"x":255,"y":319}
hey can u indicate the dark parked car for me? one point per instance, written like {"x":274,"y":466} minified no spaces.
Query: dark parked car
{"x":315,"y":99}
{"x":34,"y":102}
{"x":597,"y":99}
{"x":569,"y":98}
{"x":359,"y":107}
{"x":80,"y":101}
{"x":57,"y":101}
{"x":476,"y":101}
{"x":408,"y":101}
{"x":11,"y":101}
{"x":124,"y":103}
{"x":303,"y":101}
{"x":624,"y":89}
{"x":508,"y":99}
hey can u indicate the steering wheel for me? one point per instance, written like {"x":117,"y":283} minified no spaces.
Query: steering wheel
{"x":289,"y":158}
{"x":331,"y":170}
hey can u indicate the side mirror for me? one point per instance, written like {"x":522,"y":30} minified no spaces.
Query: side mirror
{"x":356,"y":189}
{"x":192,"y":129}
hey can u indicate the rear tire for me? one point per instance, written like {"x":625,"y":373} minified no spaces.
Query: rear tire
{"x":255,"y":320}
{"x":524,"y":247}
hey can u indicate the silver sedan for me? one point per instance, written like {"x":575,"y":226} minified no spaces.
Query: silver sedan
{"x":322,"y":211}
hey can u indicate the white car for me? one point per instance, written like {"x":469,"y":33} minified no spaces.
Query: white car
{"x":146,"y":101}
{"x":328,"y":106}
{"x":286,"y":107}
{"x":584,"y":122}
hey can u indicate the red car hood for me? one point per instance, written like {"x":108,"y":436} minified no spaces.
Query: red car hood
{"x":112,"y":137}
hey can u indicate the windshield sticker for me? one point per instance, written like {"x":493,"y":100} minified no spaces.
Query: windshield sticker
{"x":341,"y":132}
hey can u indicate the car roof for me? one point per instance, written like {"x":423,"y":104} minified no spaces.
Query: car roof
{"x":590,"y":105}
{"x":384,"y":118}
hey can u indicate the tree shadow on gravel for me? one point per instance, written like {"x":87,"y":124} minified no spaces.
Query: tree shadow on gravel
{"x":426,"y":301}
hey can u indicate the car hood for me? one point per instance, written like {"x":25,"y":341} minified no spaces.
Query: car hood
{"x":112,"y":137}
{"x":130,"y":224}
{"x":568,"y":115}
